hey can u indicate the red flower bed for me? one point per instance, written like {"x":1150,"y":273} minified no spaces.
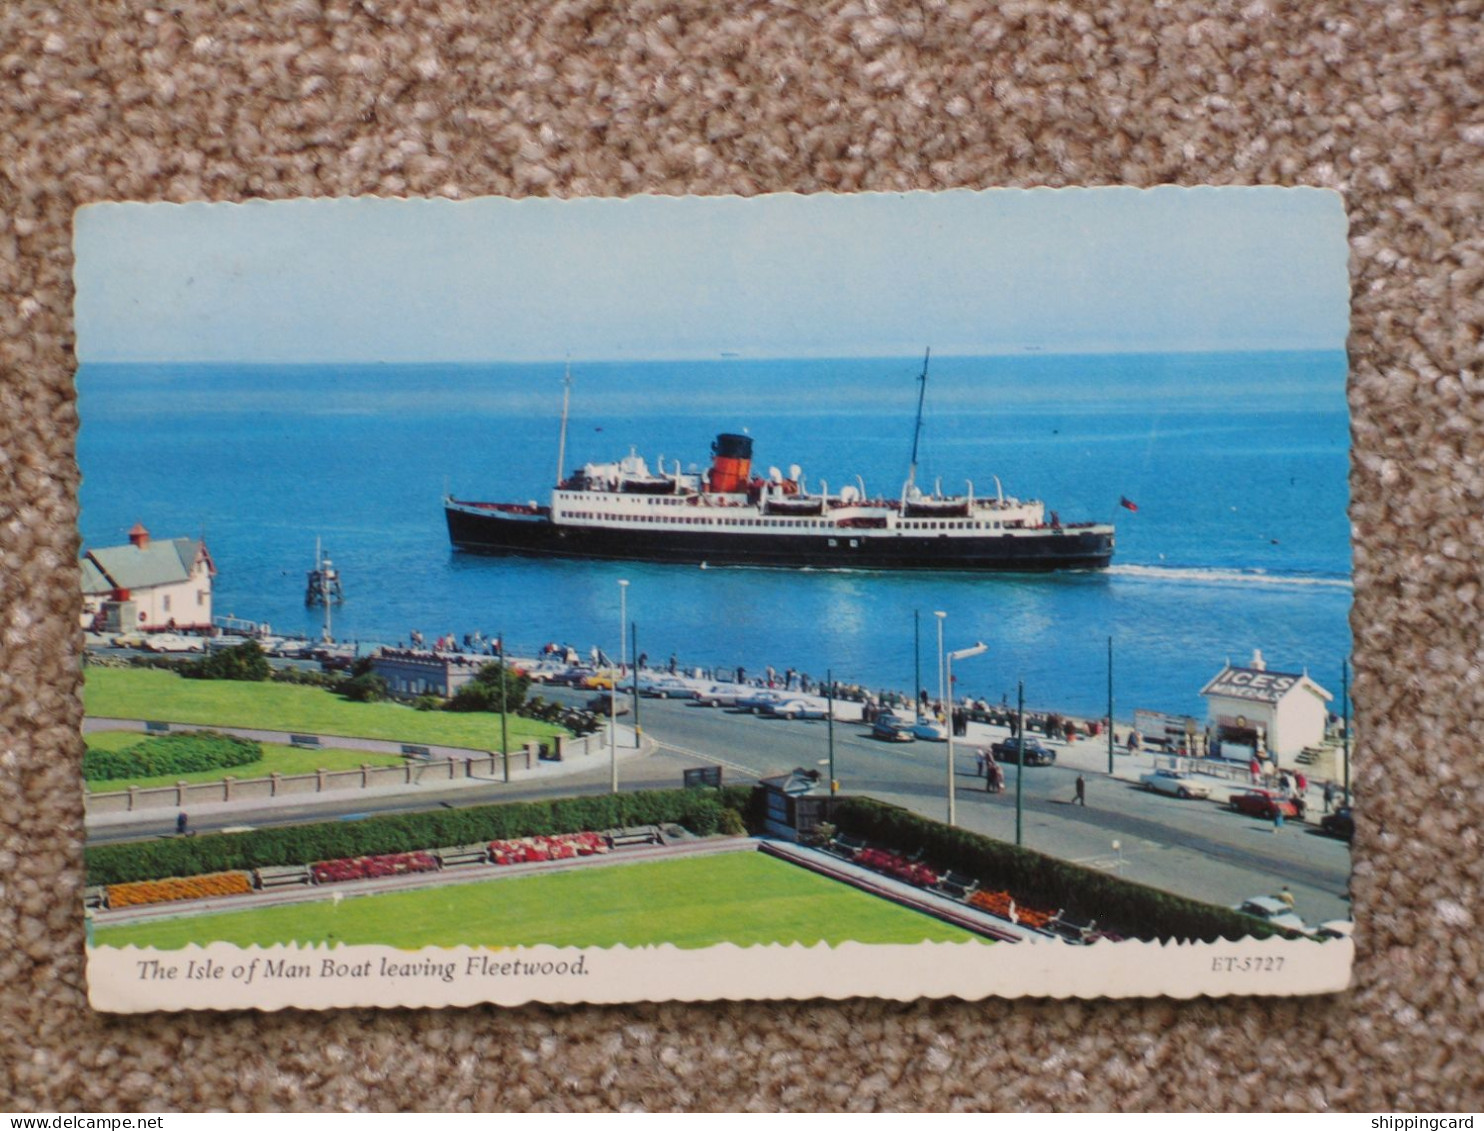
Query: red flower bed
{"x":533,"y":848}
{"x":898,"y":867}
{"x":372,"y":867}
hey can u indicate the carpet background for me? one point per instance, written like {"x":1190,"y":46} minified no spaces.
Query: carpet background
{"x":218,"y":101}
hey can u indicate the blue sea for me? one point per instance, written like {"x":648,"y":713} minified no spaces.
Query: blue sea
{"x":1237,"y":464}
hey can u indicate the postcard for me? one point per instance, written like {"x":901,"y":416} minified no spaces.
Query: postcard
{"x":600,"y":600}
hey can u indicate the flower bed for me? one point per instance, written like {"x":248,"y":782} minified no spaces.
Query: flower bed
{"x":532,"y":848}
{"x":898,"y":867}
{"x":372,"y":867}
{"x":1002,"y":904}
{"x":187,"y":887}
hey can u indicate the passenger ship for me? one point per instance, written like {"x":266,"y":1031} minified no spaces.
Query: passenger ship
{"x":726,"y":515}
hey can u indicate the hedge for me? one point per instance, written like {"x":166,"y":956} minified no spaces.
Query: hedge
{"x":698,"y":810}
{"x":1131,"y":909}
{"x":186,"y":752}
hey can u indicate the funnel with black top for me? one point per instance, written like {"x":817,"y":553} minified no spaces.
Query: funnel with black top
{"x":731,"y":463}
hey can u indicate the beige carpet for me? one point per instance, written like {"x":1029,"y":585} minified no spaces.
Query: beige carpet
{"x":1379,"y":100}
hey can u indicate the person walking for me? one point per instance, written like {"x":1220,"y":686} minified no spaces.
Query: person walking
{"x":182,"y":823}
{"x":1277,"y":814}
{"x":1081,"y":791}
{"x":1329,"y":796}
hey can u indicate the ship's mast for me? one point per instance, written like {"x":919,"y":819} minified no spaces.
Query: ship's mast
{"x":562,"y":443}
{"x":917,"y":432}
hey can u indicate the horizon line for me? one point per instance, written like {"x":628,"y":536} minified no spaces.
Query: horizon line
{"x":719,"y":356}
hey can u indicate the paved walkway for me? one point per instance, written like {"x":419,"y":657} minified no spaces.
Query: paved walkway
{"x":1090,"y":756}
{"x":541,"y":771}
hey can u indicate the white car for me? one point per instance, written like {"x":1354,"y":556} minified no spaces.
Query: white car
{"x":797,"y":709}
{"x":1271,"y":909}
{"x":665,"y":687}
{"x":929,"y":730}
{"x":1176,"y":783}
{"x":721,"y":694}
{"x":173,"y":642}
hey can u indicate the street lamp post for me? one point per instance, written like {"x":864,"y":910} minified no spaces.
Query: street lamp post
{"x":1020,"y":759}
{"x":829,"y":690}
{"x":1110,"y":706}
{"x":942,"y":616}
{"x":962,"y":654}
{"x":504,"y":712}
{"x":623,"y":620}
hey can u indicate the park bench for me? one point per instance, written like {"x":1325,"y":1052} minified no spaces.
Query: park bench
{"x":266,"y":878}
{"x":1070,"y":927}
{"x":956,"y":885}
{"x":463,"y":854}
{"x":95,"y":898}
{"x":845,"y":846}
{"x":411,"y":751}
{"x":625,"y":838}
{"x":304,"y":741}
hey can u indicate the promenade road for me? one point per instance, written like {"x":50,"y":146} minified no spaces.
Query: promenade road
{"x":1195,"y":848}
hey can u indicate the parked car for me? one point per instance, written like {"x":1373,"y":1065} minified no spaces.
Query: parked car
{"x":721,"y":695}
{"x":569,"y":677}
{"x":757,"y":701}
{"x":129,"y":640}
{"x":665,"y":687}
{"x":1271,"y":909}
{"x":173,"y":642}
{"x":796,"y":709}
{"x":1340,"y":823}
{"x":929,"y":730}
{"x":601,"y":680}
{"x":1335,"y":929}
{"x":891,"y":728}
{"x":1176,"y":783}
{"x":602,"y":704}
{"x":1036,"y":753}
{"x":1262,"y":803}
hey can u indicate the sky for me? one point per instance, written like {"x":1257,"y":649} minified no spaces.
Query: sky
{"x":650,"y":278}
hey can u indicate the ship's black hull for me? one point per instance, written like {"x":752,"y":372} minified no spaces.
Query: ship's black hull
{"x":1012,"y":552}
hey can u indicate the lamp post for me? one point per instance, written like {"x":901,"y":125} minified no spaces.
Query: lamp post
{"x":1345,"y":717}
{"x":962,"y":654}
{"x":829,"y":690}
{"x":1110,"y":706}
{"x":942,"y":616}
{"x":634,"y":651}
{"x":1020,"y":760}
{"x":623,"y":620}
{"x":504,"y":712}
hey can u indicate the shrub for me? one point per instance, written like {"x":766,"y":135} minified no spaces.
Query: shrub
{"x":483,"y":693}
{"x":366,"y":688}
{"x":184,"y":753}
{"x":306,"y":677}
{"x":244,"y":662}
{"x":731,"y":823}
{"x":700,"y":811}
{"x":1134,"y":910}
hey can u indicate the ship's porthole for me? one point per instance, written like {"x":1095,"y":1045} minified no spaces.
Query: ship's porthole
{"x":854,"y":542}
{"x":833,"y":543}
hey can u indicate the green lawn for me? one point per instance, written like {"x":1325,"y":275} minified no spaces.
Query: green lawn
{"x":149,"y":693}
{"x":744,"y":898}
{"x":276,"y":759}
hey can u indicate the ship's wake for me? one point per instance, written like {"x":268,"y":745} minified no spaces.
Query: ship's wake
{"x":1238,"y":578}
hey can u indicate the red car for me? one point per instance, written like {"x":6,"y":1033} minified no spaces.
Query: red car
{"x":1262,"y":803}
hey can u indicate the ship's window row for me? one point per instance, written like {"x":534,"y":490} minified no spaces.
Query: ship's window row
{"x":770,"y":523}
